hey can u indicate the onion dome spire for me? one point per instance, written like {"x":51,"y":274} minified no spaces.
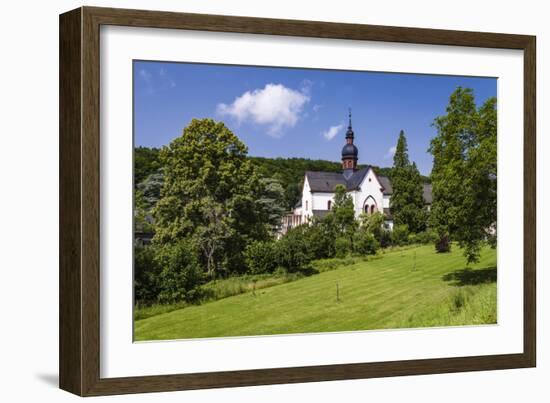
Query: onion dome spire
{"x":349,"y":152}
{"x":349,"y":133}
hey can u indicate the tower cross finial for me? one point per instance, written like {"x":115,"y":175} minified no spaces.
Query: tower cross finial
{"x":349,"y":114}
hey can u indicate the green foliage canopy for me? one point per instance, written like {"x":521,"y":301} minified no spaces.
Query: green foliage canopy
{"x":464,"y":174}
{"x":146,"y":162}
{"x":210,"y":194}
{"x":407,"y":202}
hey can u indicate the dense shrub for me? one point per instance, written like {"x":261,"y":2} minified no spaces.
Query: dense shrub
{"x":365,"y":243}
{"x":261,"y":257}
{"x":443,"y":244}
{"x":181,"y":274}
{"x":292,"y":250}
{"x":321,"y":237}
{"x":424,"y":237}
{"x":374,"y":224}
{"x":400,"y":235}
{"x":146,"y":274}
{"x":343,"y":246}
{"x":384,"y":238}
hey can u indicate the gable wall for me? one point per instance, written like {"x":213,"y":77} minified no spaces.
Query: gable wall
{"x":369,"y":187}
{"x":307,"y":201}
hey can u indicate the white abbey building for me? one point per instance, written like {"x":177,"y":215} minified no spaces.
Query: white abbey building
{"x":370,"y":192}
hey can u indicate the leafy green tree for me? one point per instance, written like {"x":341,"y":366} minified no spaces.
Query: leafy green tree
{"x":293,"y":193}
{"x":150,"y":188}
{"x":146,"y":162}
{"x":261,"y":257}
{"x":344,"y":246}
{"x":213,"y":234}
{"x":374,"y":224}
{"x":343,"y":210}
{"x":293,"y":249}
{"x":365,"y":243}
{"x":272,"y":202}
{"x":147,"y":285}
{"x":180,"y":272}
{"x":210,"y":194}
{"x":407,"y":202}
{"x":448,"y":149}
{"x":146,"y":195}
{"x":400,"y":235}
{"x":321,"y":237}
{"x":464,"y":176}
{"x":141,"y":213}
{"x":342,"y":215}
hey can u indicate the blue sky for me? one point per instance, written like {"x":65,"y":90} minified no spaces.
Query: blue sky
{"x":279,"y":112}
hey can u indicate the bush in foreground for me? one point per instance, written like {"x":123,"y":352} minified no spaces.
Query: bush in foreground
{"x":293,"y":250}
{"x":400,"y":235}
{"x":424,"y":237}
{"x":443,"y":244}
{"x":365,"y":243}
{"x":261,"y":257}
{"x":181,"y":273}
{"x":146,"y":275}
{"x":343,"y":246}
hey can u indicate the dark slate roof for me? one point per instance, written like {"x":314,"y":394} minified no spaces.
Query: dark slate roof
{"x":327,"y":181}
{"x":299,"y":204}
{"x":386,"y":184}
{"x":427,"y":193}
{"x":355,"y":180}
{"x":324,"y":181}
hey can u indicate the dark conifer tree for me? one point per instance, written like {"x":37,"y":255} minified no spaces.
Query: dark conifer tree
{"x":407,"y":203}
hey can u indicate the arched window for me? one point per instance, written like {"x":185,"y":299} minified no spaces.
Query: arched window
{"x":306,"y":205}
{"x":329,"y":204}
{"x":370,"y":206}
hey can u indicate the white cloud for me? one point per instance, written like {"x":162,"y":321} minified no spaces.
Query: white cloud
{"x":166,"y":79}
{"x":390,"y":153}
{"x":274,"y":105}
{"x":154,"y":82}
{"x":145,"y":75}
{"x":317,"y":107}
{"x":332,"y":131}
{"x":306,"y":86}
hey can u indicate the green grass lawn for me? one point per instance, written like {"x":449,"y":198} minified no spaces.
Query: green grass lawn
{"x":413,"y":287}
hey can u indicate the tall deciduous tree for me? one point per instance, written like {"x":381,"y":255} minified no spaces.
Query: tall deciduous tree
{"x":342,"y":209}
{"x":342,"y":215}
{"x":209,"y":195}
{"x":407,"y":202}
{"x":272,"y":201}
{"x":464,"y":175}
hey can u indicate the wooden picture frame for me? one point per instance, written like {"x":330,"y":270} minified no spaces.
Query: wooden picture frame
{"x":79,"y":346}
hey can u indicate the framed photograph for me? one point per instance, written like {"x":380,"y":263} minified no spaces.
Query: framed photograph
{"x":249,"y":201}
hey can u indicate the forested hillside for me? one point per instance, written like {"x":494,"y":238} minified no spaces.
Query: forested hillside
{"x":288,"y":171}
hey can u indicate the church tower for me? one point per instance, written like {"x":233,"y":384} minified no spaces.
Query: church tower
{"x":349,"y":153}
